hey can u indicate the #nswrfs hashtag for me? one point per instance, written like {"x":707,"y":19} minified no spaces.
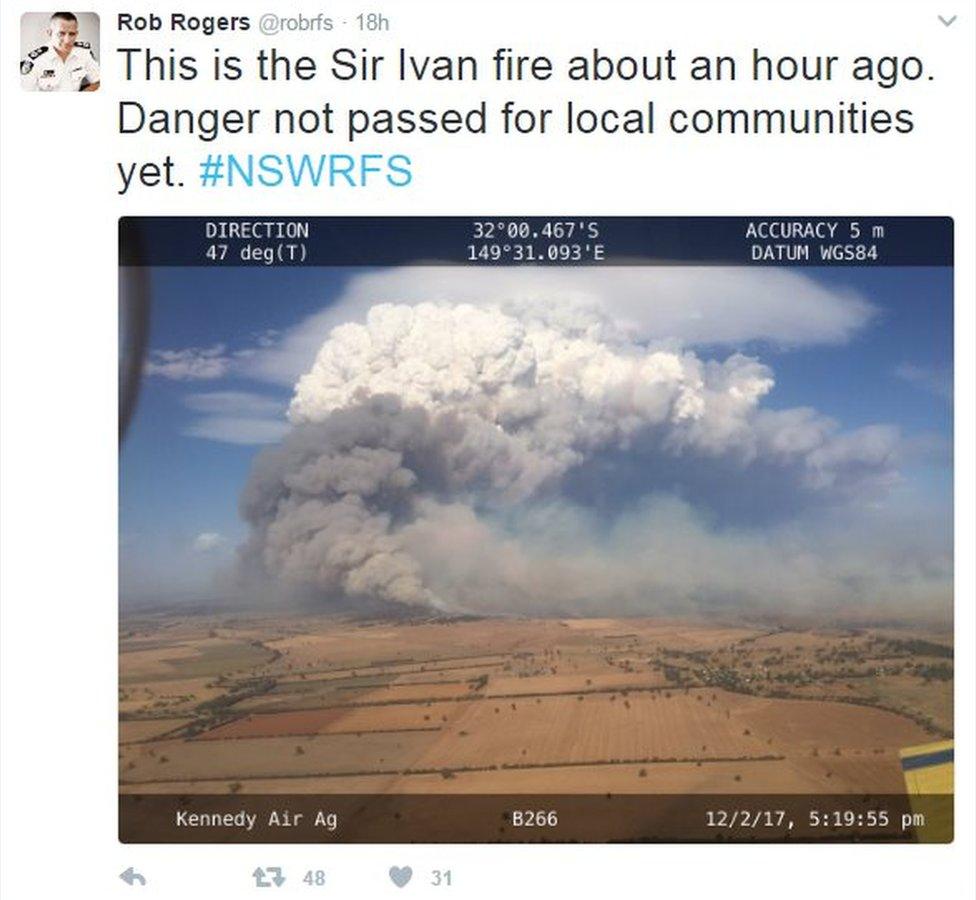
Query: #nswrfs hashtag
{"x":271,"y":170}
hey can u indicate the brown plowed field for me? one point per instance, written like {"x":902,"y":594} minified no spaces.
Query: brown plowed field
{"x":629,"y":705}
{"x":802,"y":724}
{"x":331,"y":721}
{"x":131,"y":732}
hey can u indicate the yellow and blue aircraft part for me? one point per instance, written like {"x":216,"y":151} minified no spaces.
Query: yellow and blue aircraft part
{"x":928,"y":774}
{"x":928,"y":768}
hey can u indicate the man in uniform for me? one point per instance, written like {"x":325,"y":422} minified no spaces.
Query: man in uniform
{"x":67,"y":64}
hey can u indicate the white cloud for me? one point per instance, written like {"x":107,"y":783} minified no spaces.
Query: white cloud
{"x":236,"y":417}
{"x":209,"y":541}
{"x":189,"y":364}
{"x":235,"y":403}
{"x":684,"y":305}
{"x":936,"y":380}
{"x":660,"y":305}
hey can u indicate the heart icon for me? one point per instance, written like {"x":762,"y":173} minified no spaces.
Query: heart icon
{"x":400,"y":876}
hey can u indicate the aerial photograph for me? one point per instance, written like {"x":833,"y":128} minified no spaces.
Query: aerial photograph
{"x":616,"y":531}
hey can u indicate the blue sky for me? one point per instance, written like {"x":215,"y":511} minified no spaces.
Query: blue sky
{"x":176,"y":487}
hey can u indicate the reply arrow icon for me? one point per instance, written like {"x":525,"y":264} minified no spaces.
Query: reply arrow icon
{"x":130,"y":876}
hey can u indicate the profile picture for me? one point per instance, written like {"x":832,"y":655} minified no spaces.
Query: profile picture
{"x":59,"y":51}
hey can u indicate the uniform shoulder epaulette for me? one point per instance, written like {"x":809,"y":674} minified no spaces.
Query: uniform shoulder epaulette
{"x":27,"y":64}
{"x":85,"y":45}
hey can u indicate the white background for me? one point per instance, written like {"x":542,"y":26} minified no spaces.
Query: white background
{"x":59,"y":388}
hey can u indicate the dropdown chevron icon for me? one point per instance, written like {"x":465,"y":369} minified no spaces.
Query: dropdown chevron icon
{"x":949,"y":21}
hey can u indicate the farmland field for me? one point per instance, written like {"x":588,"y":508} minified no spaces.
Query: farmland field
{"x":319,"y":704}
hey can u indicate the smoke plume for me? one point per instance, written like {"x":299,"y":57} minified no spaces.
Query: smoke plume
{"x":533,"y":457}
